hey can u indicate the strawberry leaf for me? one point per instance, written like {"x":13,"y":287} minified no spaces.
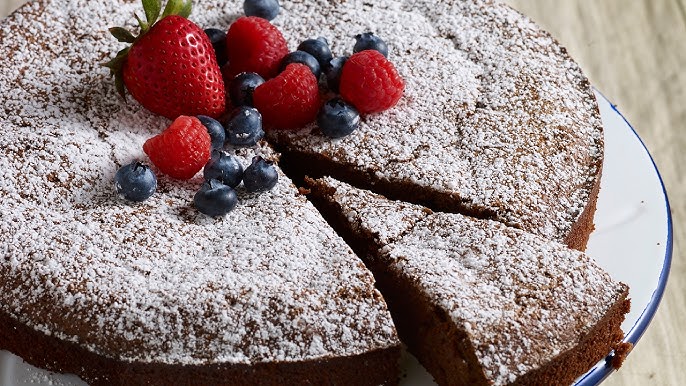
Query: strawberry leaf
{"x":144,"y":26}
{"x":152,"y":10}
{"x":116,"y":66}
{"x":122,"y":34}
{"x":121,"y":88}
{"x":187,"y":9}
{"x":173,"y":7}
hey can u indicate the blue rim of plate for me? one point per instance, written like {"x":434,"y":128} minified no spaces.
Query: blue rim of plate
{"x":599,"y":373}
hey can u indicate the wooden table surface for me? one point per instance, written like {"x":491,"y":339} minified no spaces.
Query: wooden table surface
{"x":635,"y":53}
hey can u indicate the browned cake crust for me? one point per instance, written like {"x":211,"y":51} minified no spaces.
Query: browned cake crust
{"x":54,"y":354}
{"x":582,"y":228}
{"x":442,"y":347}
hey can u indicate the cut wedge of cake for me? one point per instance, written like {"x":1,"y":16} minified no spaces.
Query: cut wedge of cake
{"x":477,"y":302}
{"x":496,"y":122}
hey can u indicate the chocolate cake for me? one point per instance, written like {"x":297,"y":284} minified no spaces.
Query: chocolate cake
{"x":496,"y":122}
{"x":477,"y":302}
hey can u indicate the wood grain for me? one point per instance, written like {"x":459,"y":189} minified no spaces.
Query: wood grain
{"x":635,"y":53}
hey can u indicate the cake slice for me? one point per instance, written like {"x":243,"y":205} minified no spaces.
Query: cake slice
{"x":496,"y":122}
{"x":477,"y":302}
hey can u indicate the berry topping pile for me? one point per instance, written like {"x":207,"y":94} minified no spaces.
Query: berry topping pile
{"x":178,"y":70}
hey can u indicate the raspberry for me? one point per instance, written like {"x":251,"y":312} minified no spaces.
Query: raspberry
{"x":254,"y":45}
{"x":289,"y":101}
{"x":182,"y":149}
{"x":370,"y":82}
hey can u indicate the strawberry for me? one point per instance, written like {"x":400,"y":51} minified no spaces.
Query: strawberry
{"x":170,"y":68}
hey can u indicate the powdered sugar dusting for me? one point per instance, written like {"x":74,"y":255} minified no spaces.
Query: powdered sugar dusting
{"x":521,"y":298}
{"x":155,"y":282}
{"x":495,"y":114}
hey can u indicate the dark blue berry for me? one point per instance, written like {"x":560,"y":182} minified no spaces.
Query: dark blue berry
{"x":333,"y":72}
{"x":215,"y":129}
{"x":304,"y":58}
{"x":224,"y":168}
{"x":242,"y":87}
{"x":338,"y":118}
{"x":369,"y":41}
{"x":215,"y":199}
{"x":135,"y":182}
{"x":244,"y":127}
{"x":260,"y":176}
{"x":266,"y":9}
{"x":218,"y":40}
{"x":319,"y":48}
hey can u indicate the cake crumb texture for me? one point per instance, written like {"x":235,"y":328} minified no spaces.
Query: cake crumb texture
{"x":521,"y":301}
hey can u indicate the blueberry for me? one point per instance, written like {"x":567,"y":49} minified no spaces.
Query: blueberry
{"x":244,"y":127}
{"x":338,"y":118}
{"x":304,"y":58}
{"x":260,"y":176}
{"x":135,"y":182}
{"x":215,"y":199}
{"x":218,"y":40}
{"x":242,"y":87}
{"x":319,"y":48}
{"x":266,"y":9}
{"x":369,"y":41}
{"x":223,"y":168}
{"x":333,"y":72}
{"x":215,"y":129}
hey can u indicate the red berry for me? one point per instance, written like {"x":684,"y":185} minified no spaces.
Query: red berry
{"x":182,"y":149}
{"x":171,"y":70}
{"x":289,"y":101}
{"x":370,"y":82}
{"x":255,"y":45}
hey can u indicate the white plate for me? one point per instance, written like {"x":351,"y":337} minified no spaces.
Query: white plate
{"x":632,"y":241}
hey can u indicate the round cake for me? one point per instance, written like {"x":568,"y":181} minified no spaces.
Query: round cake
{"x":496,"y":122}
